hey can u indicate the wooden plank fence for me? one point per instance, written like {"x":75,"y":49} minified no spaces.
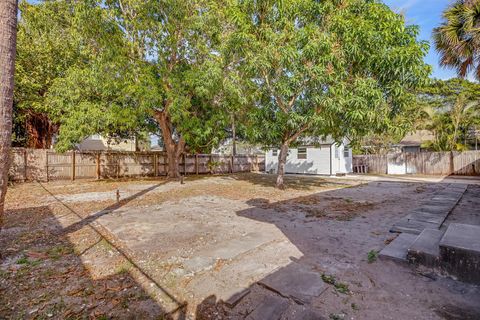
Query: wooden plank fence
{"x":46,"y":165}
{"x":427,"y":163}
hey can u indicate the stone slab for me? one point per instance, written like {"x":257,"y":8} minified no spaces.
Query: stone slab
{"x":272,"y":307}
{"x":436,"y":208}
{"x":425,"y":250}
{"x":460,"y":252}
{"x":235,"y":298}
{"x":462,"y":237}
{"x":412,"y":227}
{"x":398,"y":248}
{"x":297,"y":312}
{"x":426,"y":217}
{"x":295,"y":281}
{"x":207,"y":257}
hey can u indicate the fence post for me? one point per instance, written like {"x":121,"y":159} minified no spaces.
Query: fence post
{"x":184,"y":164}
{"x":117,"y":165}
{"x":231,"y":163}
{"x":210,"y":166}
{"x":196,"y":163}
{"x":257,"y":169}
{"x":155,"y":165}
{"x":25,"y":163}
{"x":451,"y":163}
{"x":73,"y":165}
{"x":46,"y":164}
{"x":97,"y":162}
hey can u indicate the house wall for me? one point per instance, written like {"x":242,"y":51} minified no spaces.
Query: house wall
{"x":341,"y":160}
{"x":326,"y":159}
{"x":98,"y":143}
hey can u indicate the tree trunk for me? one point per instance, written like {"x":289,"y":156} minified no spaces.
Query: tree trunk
{"x":174,"y":149}
{"x":282,"y":160}
{"x":8,"y":39}
{"x":40,"y":131}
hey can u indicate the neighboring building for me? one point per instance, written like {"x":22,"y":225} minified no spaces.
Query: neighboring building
{"x":324,"y":157}
{"x":413,"y":141}
{"x":242,"y":147}
{"x":98,"y":143}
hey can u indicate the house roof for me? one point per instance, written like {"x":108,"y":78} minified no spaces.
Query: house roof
{"x":416,"y":138}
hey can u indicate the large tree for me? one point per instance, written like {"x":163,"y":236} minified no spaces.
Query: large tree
{"x":8,"y":36}
{"x":161,"y":61}
{"x":47,"y":48}
{"x":457,"y":39}
{"x":451,"y":110}
{"x":339,"y":68}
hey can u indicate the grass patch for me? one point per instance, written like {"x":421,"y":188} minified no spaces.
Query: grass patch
{"x":22,"y":260}
{"x":372,"y":256}
{"x":339,"y":286}
{"x":57,"y":252}
{"x":337,"y":316}
{"x":328,"y":279}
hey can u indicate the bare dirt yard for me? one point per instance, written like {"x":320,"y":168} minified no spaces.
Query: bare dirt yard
{"x":220,"y":247}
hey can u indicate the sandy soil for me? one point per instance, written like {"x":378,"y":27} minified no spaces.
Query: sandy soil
{"x":69,"y":250}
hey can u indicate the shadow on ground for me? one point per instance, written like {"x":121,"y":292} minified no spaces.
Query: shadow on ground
{"x":47,"y":267}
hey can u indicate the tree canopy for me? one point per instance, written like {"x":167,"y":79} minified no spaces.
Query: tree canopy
{"x":457,"y":38}
{"x":190,"y":69}
{"x":451,"y":110}
{"x":315,"y":74}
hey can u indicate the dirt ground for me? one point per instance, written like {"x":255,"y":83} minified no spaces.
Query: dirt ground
{"x":171,"y":250}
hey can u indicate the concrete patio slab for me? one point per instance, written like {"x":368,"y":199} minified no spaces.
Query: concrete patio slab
{"x":295,"y":281}
{"x":397,"y":249}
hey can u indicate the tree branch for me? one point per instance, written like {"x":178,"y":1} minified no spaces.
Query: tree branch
{"x":277,"y":99}
{"x":298,"y":133}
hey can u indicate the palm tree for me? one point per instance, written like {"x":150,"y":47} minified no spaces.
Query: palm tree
{"x":8,"y":32}
{"x":458,"y":37}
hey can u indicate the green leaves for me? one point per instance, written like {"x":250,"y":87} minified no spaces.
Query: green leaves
{"x":339,"y":68}
{"x":457,"y":38}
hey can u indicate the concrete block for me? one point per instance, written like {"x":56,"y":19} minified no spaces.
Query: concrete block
{"x":398,"y":248}
{"x":412,"y":227}
{"x":460,"y":252}
{"x":425,"y":250}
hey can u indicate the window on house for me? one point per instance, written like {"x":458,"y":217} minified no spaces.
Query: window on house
{"x":302,"y":153}
{"x":274,"y":152}
{"x":346,"y":153}
{"x":336,"y":152}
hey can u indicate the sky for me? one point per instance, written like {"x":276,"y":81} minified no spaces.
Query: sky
{"x":427,"y":14}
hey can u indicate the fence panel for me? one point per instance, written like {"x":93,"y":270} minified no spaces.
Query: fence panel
{"x":85,"y":165}
{"x":376,"y":164}
{"x":38,"y":164}
{"x":428,"y":163}
{"x":437,"y":163}
{"x":59,"y":165}
{"x":466,"y":163}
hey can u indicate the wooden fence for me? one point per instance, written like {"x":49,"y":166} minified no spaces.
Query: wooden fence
{"x":45,"y":165}
{"x":427,"y":163}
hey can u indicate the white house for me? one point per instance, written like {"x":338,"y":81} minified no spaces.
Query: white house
{"x":97,"y":142}
{"x":324,"y":157}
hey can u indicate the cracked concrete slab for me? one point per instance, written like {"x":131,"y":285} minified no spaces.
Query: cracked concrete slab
{"x":295,"y":281}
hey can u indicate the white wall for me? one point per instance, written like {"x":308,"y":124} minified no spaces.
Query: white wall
{"x":341,"y":162}
{"x":318,"y":161}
